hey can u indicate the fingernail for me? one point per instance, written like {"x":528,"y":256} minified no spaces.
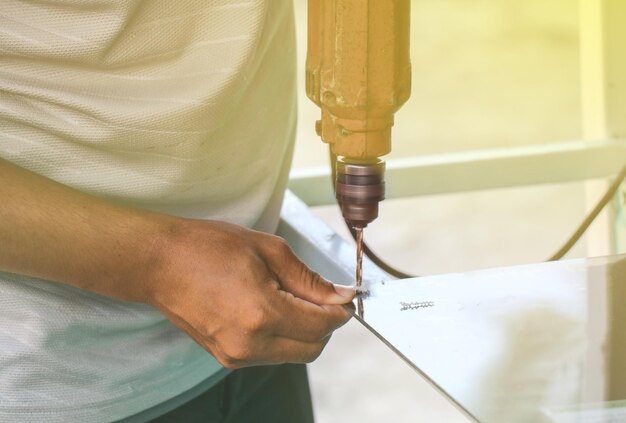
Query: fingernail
{"x":346,"y":292}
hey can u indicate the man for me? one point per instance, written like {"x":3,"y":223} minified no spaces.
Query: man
{"x":139,"y":139}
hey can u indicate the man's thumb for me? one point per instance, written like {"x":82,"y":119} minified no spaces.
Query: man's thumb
{"x":310,"y":286}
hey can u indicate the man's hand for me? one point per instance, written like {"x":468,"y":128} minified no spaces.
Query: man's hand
{"x":241,"y":294}
{"x":244,"y":295}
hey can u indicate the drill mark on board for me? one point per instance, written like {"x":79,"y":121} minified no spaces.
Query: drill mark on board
{"x":415,"y":305}
{"x":362,"y":293}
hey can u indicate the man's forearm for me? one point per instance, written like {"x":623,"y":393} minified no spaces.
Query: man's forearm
{"x":242,"y":295}
{"x":50,"y":231}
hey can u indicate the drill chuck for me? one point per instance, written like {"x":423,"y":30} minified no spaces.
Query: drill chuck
{"x":360,"y":186}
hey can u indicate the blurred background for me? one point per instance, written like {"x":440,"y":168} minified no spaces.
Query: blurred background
{"x":486,"y":74}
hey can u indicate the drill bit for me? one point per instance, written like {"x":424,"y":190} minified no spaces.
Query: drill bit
{"x":359,"y":257}
{"x":359,"y":266}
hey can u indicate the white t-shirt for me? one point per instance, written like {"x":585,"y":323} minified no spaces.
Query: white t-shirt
{"x":184,"y":107}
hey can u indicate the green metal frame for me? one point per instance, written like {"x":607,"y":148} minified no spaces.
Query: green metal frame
{"x":478,"y":170}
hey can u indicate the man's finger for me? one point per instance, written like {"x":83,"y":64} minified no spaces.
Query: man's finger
{"x":279,"y":350}
{"x":294,"y":276}
{"x":292,"y":351}
{"x":301,"y":320}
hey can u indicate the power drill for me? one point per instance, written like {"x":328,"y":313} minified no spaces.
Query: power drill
{"x":358,"y":71}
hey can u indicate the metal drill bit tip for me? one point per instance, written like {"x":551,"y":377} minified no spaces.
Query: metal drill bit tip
{"x":359,"y":266}
{"x":359,"y":256}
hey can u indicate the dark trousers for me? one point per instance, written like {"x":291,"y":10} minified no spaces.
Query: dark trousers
{"x":267,"y":394}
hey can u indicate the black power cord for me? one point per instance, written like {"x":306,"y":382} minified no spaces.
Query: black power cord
{"x":606,"y":198}
{"x":578,"y":233}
